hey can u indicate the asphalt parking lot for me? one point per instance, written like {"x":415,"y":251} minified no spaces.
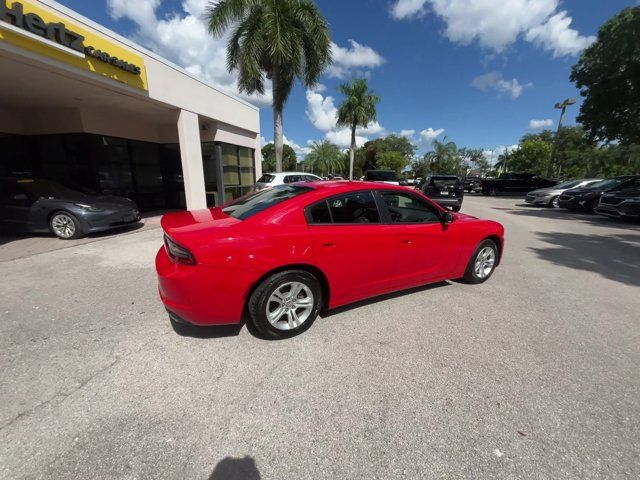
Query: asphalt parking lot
{"x":534,"y":374}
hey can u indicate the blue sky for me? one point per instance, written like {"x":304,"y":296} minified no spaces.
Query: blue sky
{"x":476,"y":71}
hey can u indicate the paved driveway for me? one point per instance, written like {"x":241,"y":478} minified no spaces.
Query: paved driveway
{"x":535,"y":374}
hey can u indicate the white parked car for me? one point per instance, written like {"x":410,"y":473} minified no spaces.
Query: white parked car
{"x":549,"y":196}
{"x":272,"y":179}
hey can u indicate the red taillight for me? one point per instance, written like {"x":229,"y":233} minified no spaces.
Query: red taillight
{"x":177,"y":253}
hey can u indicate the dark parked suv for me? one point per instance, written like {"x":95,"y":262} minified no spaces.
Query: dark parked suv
{"x":446,"y":190}
{"x":621,"y":203}
{"x":587,"y":198}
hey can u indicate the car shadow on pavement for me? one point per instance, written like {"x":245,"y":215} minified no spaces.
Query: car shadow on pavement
{"x":563,"y":214}
{"x":386,"y":296}
{"x":613,"y":256}
{"x":230,"y":468}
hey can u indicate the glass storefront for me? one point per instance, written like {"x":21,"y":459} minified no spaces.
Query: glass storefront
{"x":148,"y":173}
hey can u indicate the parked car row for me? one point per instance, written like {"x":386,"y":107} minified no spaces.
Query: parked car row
{"x":617,"y":197}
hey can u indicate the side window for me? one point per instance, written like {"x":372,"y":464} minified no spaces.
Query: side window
{"x":292,"y":178}
{"x":311,"y":178}
{"x":405,"y":208}
{"x":357,"y":207}
{"x":626,"y":184}
{"x":319,"y":213}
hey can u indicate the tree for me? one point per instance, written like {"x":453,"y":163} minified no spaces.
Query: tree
{"x":473,"y":158}
{"x":444,"y":158}
{"x":608,"y":76}
{"x":391,"y":161}
{"x":289,"y":158}
{"x":357,"y":110}
{"x":276,"y":40}
{"x":324,"y":158}
{"x":533,"y":156}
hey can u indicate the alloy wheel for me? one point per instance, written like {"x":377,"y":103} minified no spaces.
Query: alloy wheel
{"x":485,"y":261}
{"x":290,"y":305}
{"x":63,"y":225}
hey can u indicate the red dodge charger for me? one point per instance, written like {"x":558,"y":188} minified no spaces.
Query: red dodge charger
{"x":282,"y":255}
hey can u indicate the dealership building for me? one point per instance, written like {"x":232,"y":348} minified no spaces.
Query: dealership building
{"x":87,"y":107}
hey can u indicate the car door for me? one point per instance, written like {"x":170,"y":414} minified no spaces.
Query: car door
{"x":15,"y":208}
{"x":352,"y":246}
{"x":426,"y":249}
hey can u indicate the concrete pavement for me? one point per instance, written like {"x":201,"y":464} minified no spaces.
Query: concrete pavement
{"x":534,"y":374}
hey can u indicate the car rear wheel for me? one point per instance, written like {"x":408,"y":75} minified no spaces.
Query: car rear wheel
{"x":456,"y":208}
{"x":483,"y":262}
{"x":65,"y":226}
{"x":285,"y":304}
{"x":493,"y":192}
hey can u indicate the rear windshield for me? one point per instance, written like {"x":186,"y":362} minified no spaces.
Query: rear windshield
{"x":266,"y":178}
{"x":257,"y":202}
{"x":380,"y":176}
{"x":444,"y":181}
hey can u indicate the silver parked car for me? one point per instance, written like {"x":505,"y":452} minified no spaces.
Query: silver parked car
{"x":548,"y":197}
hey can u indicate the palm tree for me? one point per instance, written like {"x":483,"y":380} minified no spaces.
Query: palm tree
{"x":279,"y":40}
{"x":443,"y":156}
{"x":357,"y":110}
{"x":324,"y":157}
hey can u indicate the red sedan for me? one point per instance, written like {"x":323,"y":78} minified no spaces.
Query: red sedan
{"x":282,"y":255}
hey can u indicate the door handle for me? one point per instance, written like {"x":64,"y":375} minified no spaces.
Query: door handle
{"x":328,"y":244}
{"x":405,"y":242}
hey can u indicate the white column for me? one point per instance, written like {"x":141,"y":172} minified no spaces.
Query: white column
{"x":257,"y":157}
{"x":191,"y":156}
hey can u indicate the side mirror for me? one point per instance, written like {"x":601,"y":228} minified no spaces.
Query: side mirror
{"x":448,"y":218}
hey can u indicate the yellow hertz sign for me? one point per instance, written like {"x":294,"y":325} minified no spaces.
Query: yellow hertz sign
{"x":32,"y":28}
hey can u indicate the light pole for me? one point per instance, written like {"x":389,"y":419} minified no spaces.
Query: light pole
{"x":562,"y":106}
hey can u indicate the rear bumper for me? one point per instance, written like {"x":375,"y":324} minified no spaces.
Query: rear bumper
{"x":198,"y":294}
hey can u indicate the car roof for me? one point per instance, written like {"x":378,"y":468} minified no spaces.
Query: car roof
{"x":290,"y":173}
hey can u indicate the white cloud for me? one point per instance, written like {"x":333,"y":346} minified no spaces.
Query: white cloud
{"x":408,"y":8}
{"x":323,"y":114}
{"x":407,"y":133}
{"x":353,"y":59}
{"x":428,"y":135}
{"x":540,"y":124}
{"x":300,"y":151}
{"x":321,"y":111}
{"x":496,"y":24}
{"x":183,"y":39}
{"x":495,"y":81}
{"x":555,"y":35}
{"x":342,"y":138}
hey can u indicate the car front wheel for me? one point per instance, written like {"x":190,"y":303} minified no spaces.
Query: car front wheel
{"x":555,"y":202}
{"x":65,"y":226}
{"x":285,"y":304}
{"x":483,"y":262}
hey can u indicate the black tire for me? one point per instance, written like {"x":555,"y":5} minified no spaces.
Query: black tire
{"x":65,"y":225}
{"x":456,"y":208}
{"x":494,"y":192}
{"x":470,"y":275}
{"x":590,"y":206}
{"x":259,"y":303}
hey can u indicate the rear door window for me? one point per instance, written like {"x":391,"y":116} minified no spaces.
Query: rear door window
{"x":293,"y":178}
{"x":350,"y":208}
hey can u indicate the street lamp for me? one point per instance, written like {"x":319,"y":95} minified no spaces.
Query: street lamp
{"x":562,"y":106}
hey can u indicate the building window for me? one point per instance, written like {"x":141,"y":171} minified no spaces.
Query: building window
{"x":239,"y":171}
